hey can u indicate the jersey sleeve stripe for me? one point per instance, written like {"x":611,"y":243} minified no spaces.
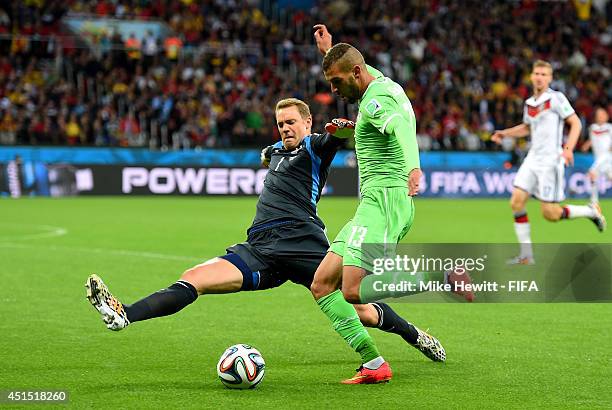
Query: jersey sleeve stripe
{"x":384,"y":127}
{"x":316,"y":164}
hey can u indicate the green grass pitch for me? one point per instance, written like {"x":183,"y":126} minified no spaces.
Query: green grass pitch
{"x":499,"y":355}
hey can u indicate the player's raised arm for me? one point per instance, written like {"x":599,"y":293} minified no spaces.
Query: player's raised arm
{"x":323,"y":38}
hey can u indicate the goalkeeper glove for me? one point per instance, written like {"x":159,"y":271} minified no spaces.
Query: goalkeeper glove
{"x":340,"y":128}
{"x":266,"y":156}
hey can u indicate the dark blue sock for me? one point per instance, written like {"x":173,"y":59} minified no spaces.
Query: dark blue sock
{"x":389,"y":321}
{"x":162,"y":303}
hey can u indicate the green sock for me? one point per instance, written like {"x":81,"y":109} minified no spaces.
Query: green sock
{"x":346,"y":323}
{"x":376,"y":287}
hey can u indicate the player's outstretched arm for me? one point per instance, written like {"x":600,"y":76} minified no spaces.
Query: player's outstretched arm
{"x":341,"y":128}
{"x":518,"y":131}
{"x":323,"y":38}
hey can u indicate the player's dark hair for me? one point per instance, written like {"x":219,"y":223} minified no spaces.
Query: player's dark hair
{"x":347,"y":55}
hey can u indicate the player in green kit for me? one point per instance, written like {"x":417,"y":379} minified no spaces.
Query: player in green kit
{"x":389,"y":171}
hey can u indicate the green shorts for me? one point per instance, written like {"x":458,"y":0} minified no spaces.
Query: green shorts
{"x":383,"y":218}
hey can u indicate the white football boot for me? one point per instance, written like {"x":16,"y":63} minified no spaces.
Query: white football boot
{"x":599,"y":220}
{"x":112,"y":311}
{"x":430,"y":346}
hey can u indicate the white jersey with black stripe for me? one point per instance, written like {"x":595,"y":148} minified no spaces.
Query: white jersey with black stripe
{"x":546,"y":116}
{"x":601,"y":139}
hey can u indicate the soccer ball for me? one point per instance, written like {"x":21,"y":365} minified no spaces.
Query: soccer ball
{"x":241,"y":367}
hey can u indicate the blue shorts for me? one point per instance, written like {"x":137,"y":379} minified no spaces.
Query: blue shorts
{"x":289,"y":250}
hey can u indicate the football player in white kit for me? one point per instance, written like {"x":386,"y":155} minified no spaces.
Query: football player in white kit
{"x":600,"y":141}
{"x":542,"y":171}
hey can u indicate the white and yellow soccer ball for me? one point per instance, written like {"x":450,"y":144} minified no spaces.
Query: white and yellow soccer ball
{"x":241,"y":367}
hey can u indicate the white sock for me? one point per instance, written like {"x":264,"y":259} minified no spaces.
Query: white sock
{"x":523,"y":234}
{"x":594,"y":192}
{"x":580,"y":211}
{"x":374,"y":363}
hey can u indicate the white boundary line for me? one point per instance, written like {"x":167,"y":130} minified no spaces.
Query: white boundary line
{"x":52,"y":231}
{"x":120,"y":252}
{"x":55,"y":231}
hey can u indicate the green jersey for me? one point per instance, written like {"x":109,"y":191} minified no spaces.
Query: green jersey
{"x":385,"y":135}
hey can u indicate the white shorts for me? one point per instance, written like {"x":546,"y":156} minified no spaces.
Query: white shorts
{"x":602,"y":166}
{"x":545,"y":182}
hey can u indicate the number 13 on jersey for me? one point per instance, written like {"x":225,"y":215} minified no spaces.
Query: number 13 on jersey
{"x":357,"y":236}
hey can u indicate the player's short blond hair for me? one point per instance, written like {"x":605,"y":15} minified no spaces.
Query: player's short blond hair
{"x":302,"y":107}
{"x":542,"y":63}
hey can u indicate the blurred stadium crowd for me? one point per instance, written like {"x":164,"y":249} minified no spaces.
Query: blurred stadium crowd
{"x":214,"y":79}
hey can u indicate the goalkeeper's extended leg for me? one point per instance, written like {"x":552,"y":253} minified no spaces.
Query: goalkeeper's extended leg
{"x":111,"y":309}
{"x":118,"y":316}
{"x":218,"y":275}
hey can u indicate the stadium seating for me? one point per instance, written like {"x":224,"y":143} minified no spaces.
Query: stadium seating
{"x":215,"y":81}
